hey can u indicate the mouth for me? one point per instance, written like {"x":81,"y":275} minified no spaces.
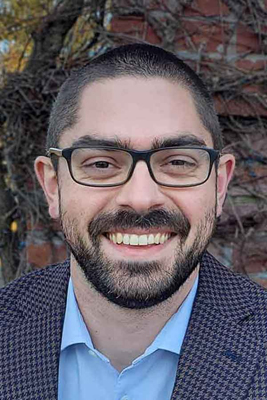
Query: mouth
{"x":133,"y":239}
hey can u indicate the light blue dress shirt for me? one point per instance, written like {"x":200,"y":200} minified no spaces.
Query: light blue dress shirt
{"x":86,"y":374}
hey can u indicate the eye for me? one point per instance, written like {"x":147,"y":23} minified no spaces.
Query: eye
{"x":100,"y":164}
{"x":182,"y":163}
{"x":96,"y":163}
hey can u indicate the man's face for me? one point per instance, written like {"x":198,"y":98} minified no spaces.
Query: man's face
{"x":136,"y":112}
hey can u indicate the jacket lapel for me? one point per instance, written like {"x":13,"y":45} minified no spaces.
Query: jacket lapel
{"x":221,"y":346}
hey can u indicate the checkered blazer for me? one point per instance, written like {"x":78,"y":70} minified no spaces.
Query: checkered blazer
{"x":223,"y":355}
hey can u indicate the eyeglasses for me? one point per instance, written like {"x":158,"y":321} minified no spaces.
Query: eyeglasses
{"x":102,"y":166}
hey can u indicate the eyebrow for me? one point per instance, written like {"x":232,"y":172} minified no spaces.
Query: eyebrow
{"x":95,"y":140}
{"x":178,"y":139}
{"x":184,"y":139}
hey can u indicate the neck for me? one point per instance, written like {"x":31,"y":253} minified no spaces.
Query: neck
{"x":121,"y":334}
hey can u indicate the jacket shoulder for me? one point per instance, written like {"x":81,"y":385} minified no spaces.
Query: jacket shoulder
{"x":231,"y":292}
{"x":229,"y":275}
{"x":34,"y":292}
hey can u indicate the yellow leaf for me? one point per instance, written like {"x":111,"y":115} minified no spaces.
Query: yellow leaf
{"x":14,"y":226}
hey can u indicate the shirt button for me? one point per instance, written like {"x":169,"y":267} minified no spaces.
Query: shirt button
{"x":125,"y":398}
{"x":92,"y":353}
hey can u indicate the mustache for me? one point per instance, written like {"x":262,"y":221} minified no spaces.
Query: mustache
{"x":125,"y":219}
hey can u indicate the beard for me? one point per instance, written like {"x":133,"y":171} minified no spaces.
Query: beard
{"x":137,"y":284}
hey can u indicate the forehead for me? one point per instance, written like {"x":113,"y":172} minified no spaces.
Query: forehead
{"x":137,"y":111}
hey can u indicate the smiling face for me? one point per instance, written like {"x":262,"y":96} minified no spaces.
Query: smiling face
{"x":136,"y":243}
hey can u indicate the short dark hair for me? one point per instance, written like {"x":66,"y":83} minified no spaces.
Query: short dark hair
{"x":137,"y":60}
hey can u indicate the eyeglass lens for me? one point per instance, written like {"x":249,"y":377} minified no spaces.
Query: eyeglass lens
{"x":170,"y":166}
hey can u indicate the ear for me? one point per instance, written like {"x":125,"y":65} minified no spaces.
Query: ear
{"x":47,"y":178}
{"x":225,"y":172}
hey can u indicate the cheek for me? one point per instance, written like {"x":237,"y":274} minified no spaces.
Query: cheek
{"x":196,"y":202}
{"x":83,"y":203}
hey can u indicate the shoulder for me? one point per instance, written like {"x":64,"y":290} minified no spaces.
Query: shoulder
{"x":214,"y":269}
{"x":35,"y":291}
{"x":231,"y":291}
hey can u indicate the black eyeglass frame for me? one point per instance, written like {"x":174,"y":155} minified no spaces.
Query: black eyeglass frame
{"x":137,"y":155}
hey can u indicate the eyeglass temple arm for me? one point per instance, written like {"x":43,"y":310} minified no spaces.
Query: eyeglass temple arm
{"x":55,"y":151}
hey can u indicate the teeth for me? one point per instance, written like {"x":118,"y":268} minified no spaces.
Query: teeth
{"x":162,"y":239}
{"x":119,"y":238}
{"x":133,"y":240}
{"x":126,"y":239}
{"x":157,"y":238}
{"x":138,"y":240}
{"x":151,"y":239}
{"x":142,"y":240}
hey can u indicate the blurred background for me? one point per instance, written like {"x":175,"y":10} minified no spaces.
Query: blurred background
{"x":41,"y":41}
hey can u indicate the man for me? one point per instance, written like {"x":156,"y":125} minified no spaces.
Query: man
{"x":136,"y":174}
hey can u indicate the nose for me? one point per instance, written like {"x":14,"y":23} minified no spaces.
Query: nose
{"x":141,"y":193}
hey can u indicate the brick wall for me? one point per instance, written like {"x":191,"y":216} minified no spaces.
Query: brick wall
{"x":221,"y":40}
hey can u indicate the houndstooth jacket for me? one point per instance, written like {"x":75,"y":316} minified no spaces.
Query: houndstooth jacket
{"x":223,"y":355}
